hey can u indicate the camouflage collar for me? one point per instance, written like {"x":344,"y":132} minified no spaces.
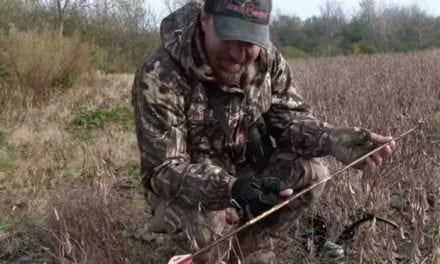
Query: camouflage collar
{"x":182,"y":38}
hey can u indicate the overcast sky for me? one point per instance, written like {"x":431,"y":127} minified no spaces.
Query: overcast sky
{"x":308,"y":8}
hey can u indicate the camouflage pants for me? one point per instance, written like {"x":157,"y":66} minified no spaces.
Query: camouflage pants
{"x":193,"y":228}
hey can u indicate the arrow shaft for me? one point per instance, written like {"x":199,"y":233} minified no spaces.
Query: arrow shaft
{"x":291,"y":198}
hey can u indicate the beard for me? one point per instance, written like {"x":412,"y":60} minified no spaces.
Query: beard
{"x":228,"y":77}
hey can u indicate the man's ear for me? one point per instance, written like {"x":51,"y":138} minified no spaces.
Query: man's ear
{"x":204,"y":19}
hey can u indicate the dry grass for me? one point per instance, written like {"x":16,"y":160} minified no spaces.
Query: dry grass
{"x":388,"y":94}
{"x":70,"y":195}
{"x":37,"y":65}
{"x":66,"y":198}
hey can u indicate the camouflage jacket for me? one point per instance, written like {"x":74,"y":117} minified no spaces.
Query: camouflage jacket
{"x":185,"y":154}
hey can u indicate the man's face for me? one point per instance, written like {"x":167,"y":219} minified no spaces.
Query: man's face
{"x":227,"y":58}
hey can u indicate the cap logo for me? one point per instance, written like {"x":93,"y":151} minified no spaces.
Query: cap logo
{"x":246,"y":7}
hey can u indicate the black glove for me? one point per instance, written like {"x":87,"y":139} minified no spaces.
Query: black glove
{"x":252,"y":196}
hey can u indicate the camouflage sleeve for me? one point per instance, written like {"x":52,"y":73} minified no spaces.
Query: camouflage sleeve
{"x":289,"y":118}
{"x":161,"y":132}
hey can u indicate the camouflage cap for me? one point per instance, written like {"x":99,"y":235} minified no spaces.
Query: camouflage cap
{"x":243,"y":20}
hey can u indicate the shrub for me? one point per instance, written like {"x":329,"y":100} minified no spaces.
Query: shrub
{"x":132,"y":175}
{"x":4,"y":225}
{"x":363,"y":49}
{"x":3,"y":72}
{"x":8,"y":163}
{"x":7,"y":155}
{"x":38,"y":63}
{"x":291,"y":52}
{"x":2,"y":139}
{"x":86,"y":119}
{"x":121,"y":114}
{"x":3,"y":91}
{"x":100,"y":58}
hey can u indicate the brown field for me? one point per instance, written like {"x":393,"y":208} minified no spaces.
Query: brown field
{"x":70,"y":188}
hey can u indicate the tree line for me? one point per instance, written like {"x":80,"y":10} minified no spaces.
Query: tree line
{"x":124,"y":31}
{"x":120,"y":31}
{"x":372,"y":29}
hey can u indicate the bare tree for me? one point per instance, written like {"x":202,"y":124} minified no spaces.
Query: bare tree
{"x":63,"y":7}
{"x":172,"y":5}
{"x":152,"y":19}
{"x":368,"y":11}
{"x":418,"y":17}
{"x":103,"y":9}
{"x":332,"y":17}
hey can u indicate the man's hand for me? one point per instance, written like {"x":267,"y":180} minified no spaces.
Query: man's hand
{"x":181,"y":259}
{"x":376,"y":159}
{"x":253,"y":196}
{"x":349,"y":144}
